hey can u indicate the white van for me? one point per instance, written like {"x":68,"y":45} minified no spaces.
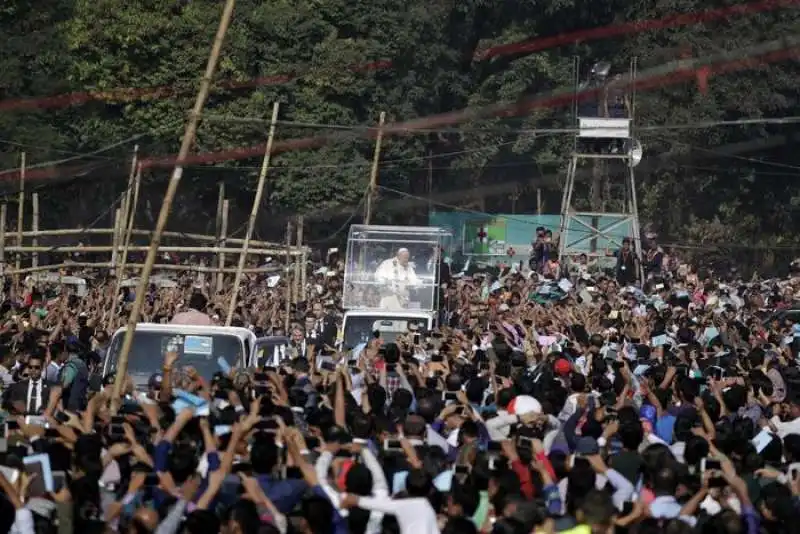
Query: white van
{"x":199,"y":346}
{"x":56,"y":279}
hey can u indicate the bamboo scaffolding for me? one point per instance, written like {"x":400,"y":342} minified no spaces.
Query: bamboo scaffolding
{"x":143,"y":248}
{"x":139,"y":266}
{"x":61,"y":232}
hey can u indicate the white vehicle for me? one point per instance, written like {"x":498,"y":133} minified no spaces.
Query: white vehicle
{"x":206,"y":348}
{"x":391,"y":280}
{"x":57,"y":279}
{"x":160,"y":282}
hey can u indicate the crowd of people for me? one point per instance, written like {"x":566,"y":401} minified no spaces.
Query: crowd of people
{"x":590,"y":403}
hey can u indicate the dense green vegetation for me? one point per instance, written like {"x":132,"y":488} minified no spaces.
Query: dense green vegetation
{"x":692,"y":187}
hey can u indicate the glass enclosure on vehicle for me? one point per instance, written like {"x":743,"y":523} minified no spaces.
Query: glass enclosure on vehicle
{"x":360,"y":328}
{"x":393,"y":268}
{"x":199,"y":351}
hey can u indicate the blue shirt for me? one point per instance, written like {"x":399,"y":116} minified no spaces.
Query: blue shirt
{"x":284,"y":494}
{"x":339,"y":522}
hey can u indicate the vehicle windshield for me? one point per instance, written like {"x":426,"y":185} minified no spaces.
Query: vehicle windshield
{"x":359,"y":329}
{"x":198,"y":351}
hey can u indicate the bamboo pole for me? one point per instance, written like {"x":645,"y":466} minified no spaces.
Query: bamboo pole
{"x":139,"y":266}
{"x":220,"y":200}
{"x":169,"y":196}
{"x":286,"y":274}
{"x":298,"y":268}
{"x":21,"y":205}
{"x":144,"y":248}
{"x":115,"y":238}
{"x":303,"y":261}
{"x":3,"y":216}
{"x":373,"y":175}
{"x":143,"y":233}
{"x":251,"y":222}
{"x":223,"y":229}
{"x":128,"y":224}
{"x":137,"y":181}
{"x":35,"y":242}
{"x":126,"y":207}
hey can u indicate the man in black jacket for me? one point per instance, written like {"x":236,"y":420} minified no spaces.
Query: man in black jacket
{"x":627,"y":264}
{"x":324,"y":328}
{"x":31,"y":395}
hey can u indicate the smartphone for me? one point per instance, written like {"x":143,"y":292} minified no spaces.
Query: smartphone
{"x":391,"y":445}
{"x":417,"y":338}
{"x":59,"y":480}
{"x":117,"y":420}
{"x":61,"y":417}
{"x":328,"y":366}
{"x":707,"y":464}
{"x":35,"y":420}
{"x":11,"y":425}
{"x":116,"y":430}
{"x":449,"y":396}
{"x":242,"y":467}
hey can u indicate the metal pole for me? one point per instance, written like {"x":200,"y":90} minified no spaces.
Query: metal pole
{"x":373,"y":175}
{"x":169,"y":196}
{"x":251,"y":222}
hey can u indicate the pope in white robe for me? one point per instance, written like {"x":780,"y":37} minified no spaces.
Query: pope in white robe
{"x":396,"y":275}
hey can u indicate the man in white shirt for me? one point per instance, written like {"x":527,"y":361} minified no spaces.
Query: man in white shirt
{"x":396,"y":275}
{"x":415,"y":515}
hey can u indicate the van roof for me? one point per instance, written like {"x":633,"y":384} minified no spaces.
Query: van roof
{"x":191,"y":330}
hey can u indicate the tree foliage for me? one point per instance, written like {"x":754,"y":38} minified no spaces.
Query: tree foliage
{"x":697,"y":180}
